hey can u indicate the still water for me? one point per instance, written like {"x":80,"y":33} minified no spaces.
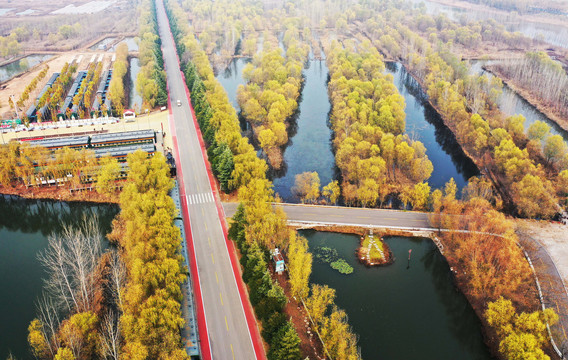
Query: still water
{"x":103,"y":44}
{"x":401,"y":311}
{"x":17,"y":67}
{"x":129,"y":41}
{"x":24,"y":228}
{"x":423,"y":123}
{"x":309,"y":148}
{"x":553,"y":34}
{"x":135,"y":102}
{"x":511,"y":103}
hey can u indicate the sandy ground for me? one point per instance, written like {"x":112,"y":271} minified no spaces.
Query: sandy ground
{"x":17,"y":85}
{"x":554,"y":237}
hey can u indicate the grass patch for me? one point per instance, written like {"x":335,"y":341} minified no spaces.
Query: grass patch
{"x":377,"y":250}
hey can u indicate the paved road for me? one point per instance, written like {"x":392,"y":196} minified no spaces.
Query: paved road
{"x":348,"y":216}
{"x":227,"y":327}
{"x":555,"y":294}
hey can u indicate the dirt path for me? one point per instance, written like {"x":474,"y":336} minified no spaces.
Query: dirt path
{"x":546,"y":243}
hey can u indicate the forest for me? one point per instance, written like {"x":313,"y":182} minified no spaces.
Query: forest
{"x":524,"y":170}
{"x":101,"y":303}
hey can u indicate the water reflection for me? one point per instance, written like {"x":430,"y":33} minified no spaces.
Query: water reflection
{"x":423,"y":123}
{"x":400,"y":313}
{"x":17,"y":67}
{"x":24,"y":228}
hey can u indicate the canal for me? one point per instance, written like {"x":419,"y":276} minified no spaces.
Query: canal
{"x":135,"y":99}
{"x":551,"y":33}
{"x":309,"y":148}
{"x":402,"y":311}
{"x":511,"y":103}
{"x":423,"y":123}
{"x":17,"y":67}
{"x":24,"y":229}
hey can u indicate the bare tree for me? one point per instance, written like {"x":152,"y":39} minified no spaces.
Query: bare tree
{"x":110,"y":335}
{"x":70,"y":259}
{"x":50,"y":320}
{"x":117,"y":277}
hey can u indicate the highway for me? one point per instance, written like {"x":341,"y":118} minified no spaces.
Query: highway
{"x":339,"y":215}
{"x":228,"y":334}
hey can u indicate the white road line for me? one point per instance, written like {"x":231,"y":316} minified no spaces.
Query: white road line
{"x":211,"y":197}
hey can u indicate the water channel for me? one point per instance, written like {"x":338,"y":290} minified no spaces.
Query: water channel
{"x":553,"y":34}
{"x":135,"y":102}
{"x":511,"y":103}
{"x":15,"y":68}
{"x":309,"y":148}
{"x":129,"y":41}
{"x":103,"y":44}
{"x":401,"y":311}
{"x":24,"y":229}
{"x":423,"y":123}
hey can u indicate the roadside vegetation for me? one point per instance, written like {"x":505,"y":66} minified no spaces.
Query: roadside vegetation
{"x":257,"y":227}
{"x":151,"y":80}
{"x":102,"y":303}
{"x":116,"y":92}
{"x":491,"y":269}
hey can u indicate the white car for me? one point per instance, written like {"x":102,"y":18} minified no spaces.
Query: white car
{"x":179,"y":102}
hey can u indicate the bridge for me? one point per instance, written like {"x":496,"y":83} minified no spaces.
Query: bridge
{"x":299,"y":214}
{"x":226,"y":321}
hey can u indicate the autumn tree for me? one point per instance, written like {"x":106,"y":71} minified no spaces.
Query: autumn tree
{"x":107,"y":175}
{"x":332,"y":191}
{"x":307,"y":186}
{"x":299,"y":265}
{"x":521,"y":336}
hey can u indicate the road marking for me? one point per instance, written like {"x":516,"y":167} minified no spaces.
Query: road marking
{"x":208,"y":238}
{"x":232,"y":352}
{"x":226,"y":323}
{"x":201,"y":198}
{"x":216,"y":277}
{"x":212,"y":259}
{"x":336,"y":215}
{"x":221,"y":297}
{"x":202,"y":212}
{"x":206,"y":229}
{"x":364,"y":217}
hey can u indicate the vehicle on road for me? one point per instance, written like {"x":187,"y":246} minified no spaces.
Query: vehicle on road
{"x":179,"y":102}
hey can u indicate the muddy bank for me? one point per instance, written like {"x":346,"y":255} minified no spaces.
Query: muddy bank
{"x":529,"y":97}
{"x":59,"y":194}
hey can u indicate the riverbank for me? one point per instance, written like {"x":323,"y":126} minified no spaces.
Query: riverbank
{"x":528,"y":96}
{"x":522,"y":17}
{"x":59,"y":193}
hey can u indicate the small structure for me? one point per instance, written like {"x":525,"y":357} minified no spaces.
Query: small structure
{"x":278,"y":261}
{"x":129,"y":115}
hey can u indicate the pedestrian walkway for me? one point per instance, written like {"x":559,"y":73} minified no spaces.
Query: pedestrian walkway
{"x":190,"y":336}
{"x":200,"y":198}
{"x":554,"y":292}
